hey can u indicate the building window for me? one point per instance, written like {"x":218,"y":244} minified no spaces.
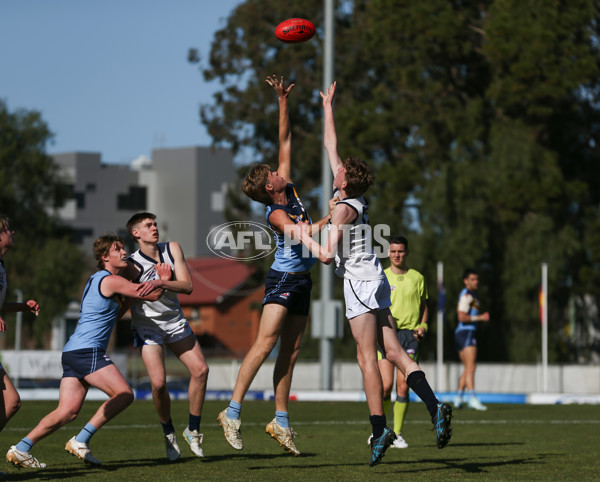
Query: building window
{"x":134,"y":200}
{"x":81,"y":233}
{"x":90,"y":187}
{"x":80,"y":199}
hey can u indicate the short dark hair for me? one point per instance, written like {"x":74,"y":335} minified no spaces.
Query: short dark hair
{"x":398,"y":239}
{"x":102,"y":247}
{"x":468,"y":272}
{"x":136,"y":219}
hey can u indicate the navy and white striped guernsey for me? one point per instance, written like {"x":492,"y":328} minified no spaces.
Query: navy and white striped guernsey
{"x":166,"y":309}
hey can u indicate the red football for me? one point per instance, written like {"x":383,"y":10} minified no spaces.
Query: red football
{"x":294,"y":30}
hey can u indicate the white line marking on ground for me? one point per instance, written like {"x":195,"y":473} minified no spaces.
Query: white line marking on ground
{"x":345,"y":422}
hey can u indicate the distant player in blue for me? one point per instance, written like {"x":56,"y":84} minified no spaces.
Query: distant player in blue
{"x":469,"y":316}
{"x":287,"y":287}
{"x":84,"y":359}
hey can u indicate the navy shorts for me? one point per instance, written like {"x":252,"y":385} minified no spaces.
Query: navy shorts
{"x":408,"y":342}
{"x":464,"y":338}
{"x":289,"y":290}
{"x":80,"y":363}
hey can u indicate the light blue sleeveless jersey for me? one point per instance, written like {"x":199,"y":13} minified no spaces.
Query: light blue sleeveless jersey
{"x":97,"y":316}
{"x":473,"y":311}
{"x":289,"y":257}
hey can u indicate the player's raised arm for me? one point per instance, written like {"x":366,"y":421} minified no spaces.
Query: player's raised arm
{"x":285,"y":132}
{"x":330,"y":137}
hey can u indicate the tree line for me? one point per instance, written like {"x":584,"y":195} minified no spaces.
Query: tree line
{"x":481,"y":120}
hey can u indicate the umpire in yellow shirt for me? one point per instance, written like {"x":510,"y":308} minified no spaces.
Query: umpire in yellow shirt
{"x":409,"y":309}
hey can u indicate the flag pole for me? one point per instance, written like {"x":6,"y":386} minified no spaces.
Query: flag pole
{"x":544,"y":310}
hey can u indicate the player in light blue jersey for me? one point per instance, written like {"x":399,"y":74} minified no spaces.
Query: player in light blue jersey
{"x":84,"y":359}
{"x":10,"y":399}
{"x":469,"y":317}
{"x":287,"y":287}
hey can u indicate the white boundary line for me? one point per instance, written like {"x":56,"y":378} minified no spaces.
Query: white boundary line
{"x":347,"y":422}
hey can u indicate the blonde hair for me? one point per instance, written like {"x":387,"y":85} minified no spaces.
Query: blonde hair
{"x":102,"y":247}
{"x":254,"y":184}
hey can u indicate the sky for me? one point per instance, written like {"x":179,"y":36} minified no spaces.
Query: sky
{"x":110,"y":76}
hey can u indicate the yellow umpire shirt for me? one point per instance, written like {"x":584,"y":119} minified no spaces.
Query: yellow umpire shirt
{"x":408,"y":292}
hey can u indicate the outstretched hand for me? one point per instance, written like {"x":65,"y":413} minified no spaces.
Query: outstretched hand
{"x":279,"y":85}
{"x":328,"y":95}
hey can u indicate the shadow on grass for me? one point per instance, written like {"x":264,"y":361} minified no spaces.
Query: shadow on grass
{"x":467,"y":466}
{"x":464,"y":465}
{"x":85,"y":470}
{"x":490,"y":444}
{"x":240,"y":456}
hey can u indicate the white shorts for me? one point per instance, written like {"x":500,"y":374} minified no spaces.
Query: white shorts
{"x":364,"y":296}
{"x":152,"y":334}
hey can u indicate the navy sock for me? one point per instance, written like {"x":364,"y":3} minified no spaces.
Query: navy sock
{"x":418,"y":383}
{"x":194,"y":422}
{"x":378,"y":422}
{"x":168,"y":427}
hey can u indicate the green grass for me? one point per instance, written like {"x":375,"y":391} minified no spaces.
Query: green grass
{"x":508,"y":442}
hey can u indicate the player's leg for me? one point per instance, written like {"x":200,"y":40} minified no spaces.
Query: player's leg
{"x":269,"y":329}
{"x":441,"y":413}
{"x":289,"y":349}
{"x":364,"y":330}
{"x":153,"y":356}
{"x":468,"y":356}
{"x":386,"y":369}
{"x":72,"y":393}
{"x":110,"y":380}
{"x":411,"y":346}
{"x":189,"y":352}
{"x":387,"y":379}
{"x":400,"y":409}
{"x":10,"y":401}
{"x":459,"y":341}
{"x":271,"y":323}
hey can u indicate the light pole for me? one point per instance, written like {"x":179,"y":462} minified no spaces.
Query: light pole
{"x":326,"y":343}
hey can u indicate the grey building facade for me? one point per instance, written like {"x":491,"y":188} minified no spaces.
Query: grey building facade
{"x":185,"y":187}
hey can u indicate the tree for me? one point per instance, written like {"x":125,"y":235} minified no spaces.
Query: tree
{"x":481,"y":118}
{"x":44,"y":264}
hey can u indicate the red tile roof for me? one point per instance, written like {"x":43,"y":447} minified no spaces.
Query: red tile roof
{"x":215,"y":279}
